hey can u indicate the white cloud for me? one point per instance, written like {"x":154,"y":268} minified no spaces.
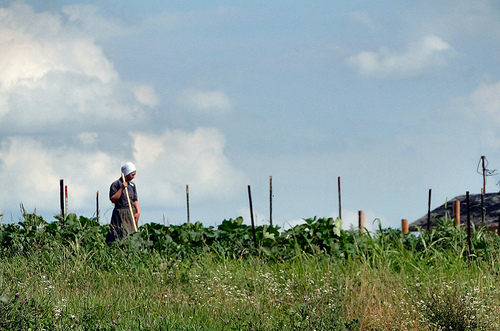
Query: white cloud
{"x":53,"y":72}
{"x":50,"y":73}
{"x":165,"y":163}
{"x":430,"y":52}
{"x":35,"y":170}
{"x":168,"y":162}
{"x":212,"y":102}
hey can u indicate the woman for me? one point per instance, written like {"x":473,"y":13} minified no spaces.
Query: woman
{"x":121,"y":221}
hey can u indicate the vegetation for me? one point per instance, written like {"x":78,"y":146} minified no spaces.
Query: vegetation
{"x":315,"y":276}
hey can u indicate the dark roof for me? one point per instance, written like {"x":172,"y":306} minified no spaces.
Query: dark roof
{"x":491,"y":207}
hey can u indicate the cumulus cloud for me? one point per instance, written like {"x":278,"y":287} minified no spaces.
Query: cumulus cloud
{"x":55,"y":78}
{"x":210,"y":102}
{"x":175,"y":158}
{"x":51,"y":73}
{"x":165,"y":163}
{"x":428,"y":53}
{"x":34,"y":172}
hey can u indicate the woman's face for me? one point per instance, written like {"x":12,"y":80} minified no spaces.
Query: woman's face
{"x":130,"y":176}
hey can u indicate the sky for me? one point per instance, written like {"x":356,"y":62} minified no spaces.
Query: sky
{"x":394,"y":97}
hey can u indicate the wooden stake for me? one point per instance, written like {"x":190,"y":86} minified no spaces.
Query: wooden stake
{"x":340,"y":200}
{"x":456,"y":212}
{"x":483,"y":192}
{"x":129,"y":205}
{"x":187,"y":202}
{"x":271,"y":200}
{"x":429,"y":212}
{"x":61,"y":195}
{"x":405,"y":226}
{"x":251,"y":217}
{"x":468,"y":226}
{"x":97,"y":206}
{"x":361,"y":221}
{"x":66,"y":200}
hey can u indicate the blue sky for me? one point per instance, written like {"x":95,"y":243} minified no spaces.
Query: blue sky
{"x":396,"y":98}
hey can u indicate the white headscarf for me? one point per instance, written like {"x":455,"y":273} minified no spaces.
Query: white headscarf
{"x":128,"y":168}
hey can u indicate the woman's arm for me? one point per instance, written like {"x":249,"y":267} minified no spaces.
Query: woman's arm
{"x":115,"y":197}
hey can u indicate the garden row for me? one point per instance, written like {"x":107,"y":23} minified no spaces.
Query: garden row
{"x":234,"y":239}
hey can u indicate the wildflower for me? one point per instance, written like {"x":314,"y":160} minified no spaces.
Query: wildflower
{"x":147,"y":325}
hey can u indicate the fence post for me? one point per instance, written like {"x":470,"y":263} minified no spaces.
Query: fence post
{"x":483,"y":192}
{"x":66,"y":201}
{"x":271,"y":200}
{"x":456,"y":212}
{"x":429,"y":212}
{"x":187,"y":202}
{"x":251,"y":217}
{"x":340,"y":200}
{"x":61,"y":196}
{"x":97,"y":206}
{"x":405,"y":226}
{"x":361,"y":221}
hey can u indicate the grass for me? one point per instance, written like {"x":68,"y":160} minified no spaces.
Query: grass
{"x":389,"y":284}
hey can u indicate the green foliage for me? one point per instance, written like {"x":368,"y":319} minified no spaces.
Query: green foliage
{"x":290,"y":280}
{"x":233,"y":239}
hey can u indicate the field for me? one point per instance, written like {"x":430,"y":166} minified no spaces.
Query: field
{"x":315,"y":276}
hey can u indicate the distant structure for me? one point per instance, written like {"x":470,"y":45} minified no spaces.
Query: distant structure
{"x":491,"y":206}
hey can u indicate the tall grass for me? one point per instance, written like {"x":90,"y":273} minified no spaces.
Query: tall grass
{"x":376,"y":281}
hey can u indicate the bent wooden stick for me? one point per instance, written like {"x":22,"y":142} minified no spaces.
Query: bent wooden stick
{"x":129,"y":205}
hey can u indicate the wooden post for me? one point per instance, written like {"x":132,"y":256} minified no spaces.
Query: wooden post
{"x":340,"y":200}
{"x":97,"y":206}
{"x":483,"y":192}
{"x":61,"y":196}
{"x":405,"y":226}
{"x":251,"y":216}
{"x":456,"y":212}
{"x":429,"y":212}
{"x":66,"y":201}
{"x":187,"y":202}
{"x":361,"y":221}
{"x":271,"y":200}
{"x":468,"y":226}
